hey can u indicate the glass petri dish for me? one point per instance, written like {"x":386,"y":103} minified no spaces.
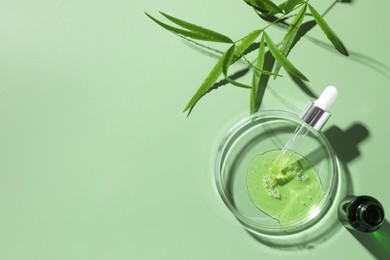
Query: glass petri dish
{"x":255,"y":135}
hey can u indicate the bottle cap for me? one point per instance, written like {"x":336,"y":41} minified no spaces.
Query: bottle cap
{"x":326,"y":98}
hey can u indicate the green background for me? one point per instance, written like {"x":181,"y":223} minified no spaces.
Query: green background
{"x":99,"y":162}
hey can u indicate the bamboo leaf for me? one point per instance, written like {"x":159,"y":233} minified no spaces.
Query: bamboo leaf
{"x":261,"y":53}
{"x":265,"y":6}
{"x":229,"y":57}
{"x":286,"y":64}
{"x":328,"y":31}
{"x":227,"y":61}
{"x":236,"y":83}
{"x":269,"y":62}
{"x":206,"y":84}
{"x":291,"y":34}
{"x":255,"y":100}
{"x":272,"y":19}
{"x":198,"y":29}
{"x":237,"y":51}
{"x":291,"y":4}
{"x":190,"y":34}
{"x":243,"y":44}
{"x":283,"y":5}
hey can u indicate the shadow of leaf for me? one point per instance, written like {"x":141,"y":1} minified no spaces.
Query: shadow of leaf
{"x":236,"y":75}
{"x":365,"y":60}
{"x":303,"y":86}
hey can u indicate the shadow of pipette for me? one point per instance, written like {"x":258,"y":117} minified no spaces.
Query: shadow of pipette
{"x":345,"y":143}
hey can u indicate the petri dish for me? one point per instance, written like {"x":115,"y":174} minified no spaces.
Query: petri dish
{"x":258,"y":134}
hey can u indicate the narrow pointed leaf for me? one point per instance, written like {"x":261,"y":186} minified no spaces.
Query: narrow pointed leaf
{"x":235,"y":52}
{"x":228,"y":57}
{"x":217,"y":70}
{"x":254,"y":99}
{"x":207,"y":84}
{"x":182,"y":32}
{"x":199,"y":29}
{"x":291,"y":4}
{"x":272,"y":19}
{"x":261,"y":53}
{"x":237,"y":84}
{"x":328,"y":31}
{"x":286,"y":64}
{"x":226,"y":64}
{"x":265,"y":6}
{"x":282,"y":5}
{"x":244,"y":45}
{"x":269,"y":62}
{"x":291,"y":34}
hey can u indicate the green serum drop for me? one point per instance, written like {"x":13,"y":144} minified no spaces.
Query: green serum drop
{"x":286,"y":191}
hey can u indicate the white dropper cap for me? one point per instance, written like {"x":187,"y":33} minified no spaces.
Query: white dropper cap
{"x":316,"y":113}
{"x":326,"y":98}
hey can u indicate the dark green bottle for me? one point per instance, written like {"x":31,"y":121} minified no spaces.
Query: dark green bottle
{"x":362,"y":213}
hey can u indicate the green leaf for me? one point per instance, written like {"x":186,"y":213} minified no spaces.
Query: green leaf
{"x":272,"y":18}
{"x":227,"y":61}
{"x":286,"y":64}
{"x":265,"y":6}
{"x":256,"y":94}
{"x":291,"y":34}
{"x":291,"y":4}
{"x":198,"y":29}
{"x":229,"y":56}
{"x":190,"y":34}
{"x":207,"y":84}
{"x":283,"y":5}
{"x":328,"y":31}
{"x":237,"y":51}
{"x":245,"y":42}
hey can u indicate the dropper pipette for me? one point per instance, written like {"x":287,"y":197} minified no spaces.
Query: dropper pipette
{"x":314,"y":114}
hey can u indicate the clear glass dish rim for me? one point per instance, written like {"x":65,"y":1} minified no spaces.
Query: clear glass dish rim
{"x":294,"y":227}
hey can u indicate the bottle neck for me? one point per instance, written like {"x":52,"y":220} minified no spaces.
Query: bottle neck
{"x":370,"y":214}
{"x":362,"y":213}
